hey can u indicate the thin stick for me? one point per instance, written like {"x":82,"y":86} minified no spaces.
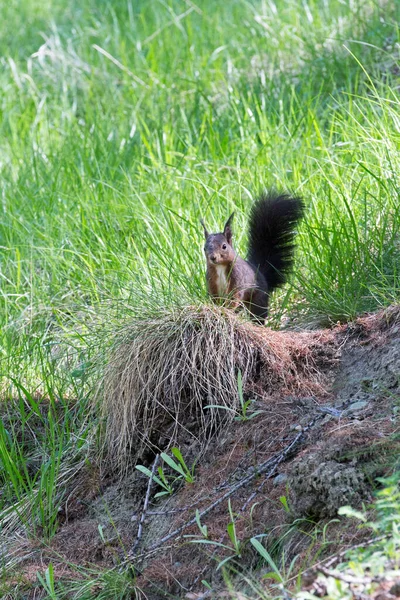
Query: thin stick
{"x":279,"y":459}
{"x":337,"y":412}
{"x":330,"y":560}
{"x":284,"y":454}
{"x":350,"y":578}
{"x":144,"y":511}
{"x":178,"y":510}
{"x":269,"y":465}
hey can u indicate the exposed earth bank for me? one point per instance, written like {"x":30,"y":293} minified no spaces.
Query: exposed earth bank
{"x":320,"y":426}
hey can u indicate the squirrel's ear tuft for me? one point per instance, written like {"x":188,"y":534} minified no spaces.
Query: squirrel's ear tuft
{"x":228,"y":229}
{"x":206,"y":234}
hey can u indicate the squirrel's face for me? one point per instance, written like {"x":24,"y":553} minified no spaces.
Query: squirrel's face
{"x":217,"y":249}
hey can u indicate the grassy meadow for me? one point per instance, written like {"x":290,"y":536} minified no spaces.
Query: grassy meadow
{"x":121,"y":125}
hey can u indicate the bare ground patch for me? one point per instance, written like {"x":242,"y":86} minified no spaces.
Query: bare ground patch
{"x":331,"y":397}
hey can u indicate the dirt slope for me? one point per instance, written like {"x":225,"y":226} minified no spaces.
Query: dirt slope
{"x":311,"y":448}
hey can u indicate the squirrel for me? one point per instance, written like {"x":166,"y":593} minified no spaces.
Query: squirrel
{"x":271,"y":232}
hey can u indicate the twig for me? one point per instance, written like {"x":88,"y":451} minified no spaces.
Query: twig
{"x":330,"y":560}
{"x":197,"y":596}
{"x":279,"y":459}
{"x":178,"y":510}
{"x":349,"y":578}
{"x":211,"y":506}
{"x":284,"y":454}
{"x":330,"y":410}
{"x":144,"y":511}
{"x":268,"y":467}
{"x":337,"y":412}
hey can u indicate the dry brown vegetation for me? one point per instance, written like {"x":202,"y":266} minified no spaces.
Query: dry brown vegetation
{"x":162,"y":374}
{"x":165,"y":371}
{"x":174,"y":376}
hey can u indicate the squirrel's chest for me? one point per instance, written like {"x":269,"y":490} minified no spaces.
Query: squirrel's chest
{"x":219,"y":280}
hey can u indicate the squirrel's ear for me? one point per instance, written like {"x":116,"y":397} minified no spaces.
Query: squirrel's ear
{"x":206,"y":234}
{"x":228,"y":230}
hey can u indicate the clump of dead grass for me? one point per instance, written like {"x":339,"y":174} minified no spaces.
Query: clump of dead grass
{"x":175,"y":377}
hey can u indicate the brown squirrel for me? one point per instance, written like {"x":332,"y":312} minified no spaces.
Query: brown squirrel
{"x":272,"y":222}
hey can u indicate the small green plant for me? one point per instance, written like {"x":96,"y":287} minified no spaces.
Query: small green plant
{"x":180,"y":466}
{"x":236,"y":546}
{"x":163,"y":480}
{"x":47,"y":582}
{"x":202,"y":528}
{"x":377,"y":560}
{"x":92,"y":582}
{"x":245,"y":413}
{"x":231,"y":529}
{"x":387,"y":505}
{"x":284,"y":501}
{"x":275,"y":573}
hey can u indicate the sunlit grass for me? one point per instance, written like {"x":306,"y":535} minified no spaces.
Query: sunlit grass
{"x":121,"y":125}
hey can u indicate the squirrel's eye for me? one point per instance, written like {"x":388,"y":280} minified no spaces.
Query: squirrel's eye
{"x":223,"y":246}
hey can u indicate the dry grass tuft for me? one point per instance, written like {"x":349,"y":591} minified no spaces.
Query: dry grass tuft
{"x":165,"y":371}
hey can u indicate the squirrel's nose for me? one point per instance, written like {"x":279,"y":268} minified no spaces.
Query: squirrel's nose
{"x":213,"y":257}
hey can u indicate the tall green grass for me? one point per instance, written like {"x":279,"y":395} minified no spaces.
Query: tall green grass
{"x":121,"y":124}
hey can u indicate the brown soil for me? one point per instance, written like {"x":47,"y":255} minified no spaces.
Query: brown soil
{"x":352,"y":370}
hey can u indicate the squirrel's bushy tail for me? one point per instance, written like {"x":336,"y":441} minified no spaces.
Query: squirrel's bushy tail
{"x":272,"y":223}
